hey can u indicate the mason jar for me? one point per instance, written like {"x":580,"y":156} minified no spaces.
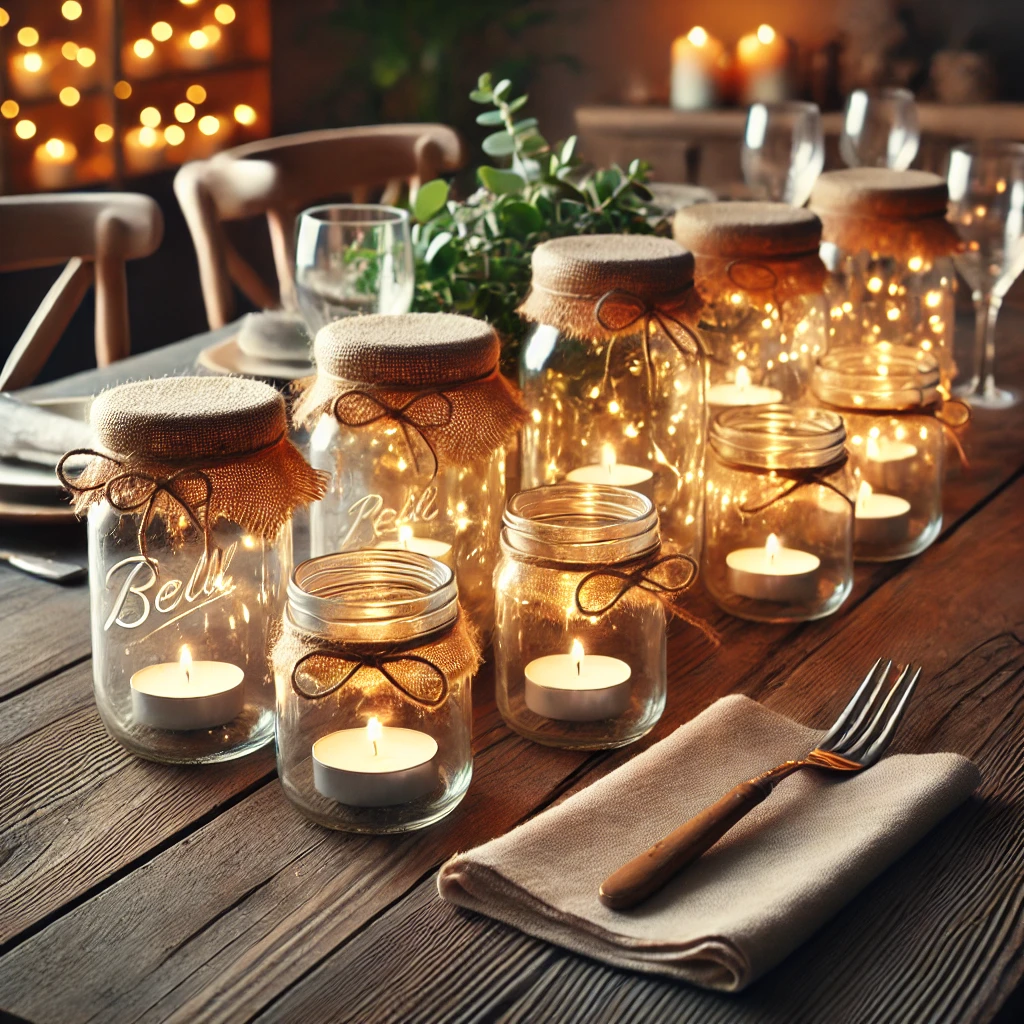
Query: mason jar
{"x":410,"y":420}
{"x":374,"y":706}
{"x":889,"y":251}
{"x":896,"y":445}
{"x":613,"y":374}
{"x":189,"y":499}
{"x":778,"y":514}
{"x":764,"y":318}
{"x":579,"y":651}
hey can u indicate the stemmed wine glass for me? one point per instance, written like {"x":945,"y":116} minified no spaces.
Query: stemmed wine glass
{"x":986,"y":192}
{"x":880,"y":129}
{"x":783,"y":151}
{"x":352,"y":258}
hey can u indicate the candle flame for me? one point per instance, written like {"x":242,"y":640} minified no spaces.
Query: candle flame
{"x":374,"y":732}
{"x":698,"y":36}
{"x":577,"y":655}
{"x":765,"y":34}
{"x":608,"y":459}
{"x":742,"y":378}
{"x":863,"y":494}
{"x":186,"y":662}
{"x":874,"y":450}
{"x":404,"y":536}
{"x":772,"y":546}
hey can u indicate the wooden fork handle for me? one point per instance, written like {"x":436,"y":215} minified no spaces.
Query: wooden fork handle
{"x":645,"y":875}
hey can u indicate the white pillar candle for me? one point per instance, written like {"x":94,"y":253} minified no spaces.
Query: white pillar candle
{"x":880,"y":520}
{"x":186,"y":694}
{"x":407,"y":541}
{"x":577,"y":688}
{"x":617,"y":474}
{"x":773,"y":573}
{"x":743,"y":392}
{"x":761,"y":62}
{"x":697,"y":60}
{"x":379,"y":766}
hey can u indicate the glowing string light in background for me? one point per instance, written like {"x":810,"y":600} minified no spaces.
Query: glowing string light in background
{"x":86,"y":56}
{"x":25,"y":129}
{"x":71,"y":9}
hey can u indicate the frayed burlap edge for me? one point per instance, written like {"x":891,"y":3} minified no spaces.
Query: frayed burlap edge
{"x":763,"y":277}
{"x":927,"y":237}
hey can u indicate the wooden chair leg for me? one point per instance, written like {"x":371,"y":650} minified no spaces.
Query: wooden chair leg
{"x":113,"y":340}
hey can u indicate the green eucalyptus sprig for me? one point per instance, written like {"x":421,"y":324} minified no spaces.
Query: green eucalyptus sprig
{"x":473,"y":255}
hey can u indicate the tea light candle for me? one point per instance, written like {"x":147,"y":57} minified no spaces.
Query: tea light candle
{"x":618,"y":474}
{"x":697,"y":60}
{"x":407,"y":541}
{"x":888,"y":461}
{"x":761,"y":59}
{"x":577,"y":688}
{"x":880,"y":520}
{"x":53,"y":164}
{"x":743,"y":392}
{"x":186,"y":694}
{"x":773,"y":573}
{"x":379,"y":766}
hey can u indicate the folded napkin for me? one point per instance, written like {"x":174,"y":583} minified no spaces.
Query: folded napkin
{"x":756,"y":895}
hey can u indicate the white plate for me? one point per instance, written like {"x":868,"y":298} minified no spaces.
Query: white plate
{"x":227,"y":357}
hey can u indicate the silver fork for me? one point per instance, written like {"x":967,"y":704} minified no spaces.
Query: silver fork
{"x":858,"y":739}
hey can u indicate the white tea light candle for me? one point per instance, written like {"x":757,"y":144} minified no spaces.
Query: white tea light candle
{"x":880,"y":520}
{"x":576,"y":687}
{"x":187,"y":694}
{"x":613,"y":473}
{"x":742,"y":392}
{"x":379,"y":766}
{"x":773,"y":573}
{"x":407,"y":541}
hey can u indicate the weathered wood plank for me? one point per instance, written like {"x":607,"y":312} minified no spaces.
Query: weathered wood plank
{"x":937,"y":938}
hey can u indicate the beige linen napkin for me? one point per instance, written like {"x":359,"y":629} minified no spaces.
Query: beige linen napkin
{"x":783,"y":871}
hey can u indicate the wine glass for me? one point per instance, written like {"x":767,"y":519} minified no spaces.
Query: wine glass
{"x":880,"y":129}
{"x":986,"y":192}
{"x":352,"y":258}
{"x":783,"y":151}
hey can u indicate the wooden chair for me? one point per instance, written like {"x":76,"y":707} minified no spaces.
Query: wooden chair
{"x":96,"y":233}
{"x":279,"y":178}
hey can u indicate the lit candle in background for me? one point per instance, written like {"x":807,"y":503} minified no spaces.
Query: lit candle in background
{"x":143,"y":149}
{"x":53,"y":164}
{"x":743,"y":392}
{"x":186,"y":694}
{"x":773,"y":573}
{"x":407,"y":541}
{"x":577,"y":687}
{"x":611,"y":472}
{"x":889,"y":463}
{"x":697,"y":66}
{"x":379,"y":766}
{"x":762,"y":60}
{"x":880,"y":520}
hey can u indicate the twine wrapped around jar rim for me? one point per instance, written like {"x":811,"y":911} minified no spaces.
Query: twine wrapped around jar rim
{"x":768,"y":249}
{"x":194,"y":448}
{"x":435,"y":375}
{"x":885,"y":212}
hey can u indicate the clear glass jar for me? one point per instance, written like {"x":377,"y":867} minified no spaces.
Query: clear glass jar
{"x":610,"y":406}
{"x":567,"y":672}
{"x":888,"y":249}
{"x":778,"y":514}
{"x":416,"y":460}
{"x":765,"y":317}
{"x":374,"y":701}
{"x":154,"y":612}
{"x":896,"y":446}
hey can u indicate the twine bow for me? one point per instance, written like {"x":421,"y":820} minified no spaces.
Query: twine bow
{"x":952,"y":423}
{"x":134,"y":490}
{"x":425,"y":411}
{"x":636,"y":309}
{"x":799,"y":478}
{"x":380,"y":663}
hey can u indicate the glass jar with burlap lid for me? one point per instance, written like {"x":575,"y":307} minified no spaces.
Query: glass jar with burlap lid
{"x":897,"y":424}
{"x":889,"y":249}
{"x":189,"y":495}
{"x":410,"y":418}
{"x":374,"y":665}
{"x":778,"y":513}
{"x":761,"y":279}
{"x":582,"y":592}
{"x":613,"y":373}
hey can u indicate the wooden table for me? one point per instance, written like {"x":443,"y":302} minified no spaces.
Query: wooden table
{"x":131,"y":891}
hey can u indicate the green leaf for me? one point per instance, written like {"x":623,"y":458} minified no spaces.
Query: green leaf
{"x":502,"y":88}
{"x":430,"y":200}
{"x":490,"y":117}
{"x":525,"y":125}
{"x":480,"y":97}
{"x":436,"y":247}
{"x":568,"y":149}
{"x":517,"y":104}
{"x":533,"y":144}
{"x":500,"y":182}
{"x":521,"y":218}
{"x":483,"y":83}
{"x":498,"y":144}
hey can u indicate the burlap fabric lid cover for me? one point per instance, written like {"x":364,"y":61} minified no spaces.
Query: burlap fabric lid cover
{"x":752,"y":247}
{"x":872,"y":209}
{"x":435,"y":373}
{"x":160,"y":441}
{"x":621,"y":274}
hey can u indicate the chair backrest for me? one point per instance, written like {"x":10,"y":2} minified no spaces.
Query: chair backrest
{"x":95,"y":234}
{"x":280,"y":177}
